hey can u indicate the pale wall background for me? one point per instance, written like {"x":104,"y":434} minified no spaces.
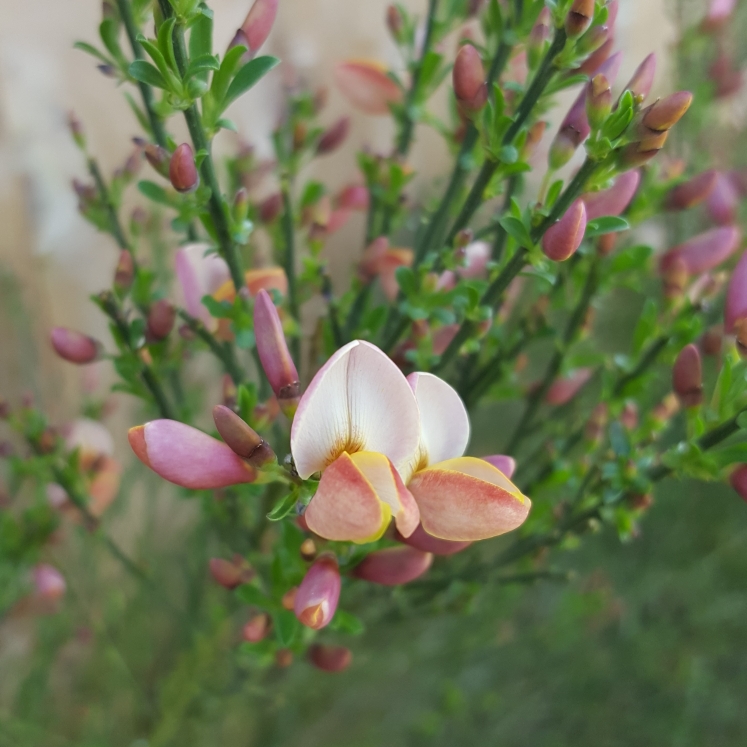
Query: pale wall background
{"x":51,"y":260}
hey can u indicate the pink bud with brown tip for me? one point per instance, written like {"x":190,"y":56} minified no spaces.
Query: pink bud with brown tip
{"x":182,"y":169}
{"x":563,"y":238}
{"x":665,"y":113}
{"x":317,"y":596}
{"x":579,"y":17}
{"x":687,"y":377}
{"x":256,"y":628}
{"x":643,"y":78}
{"x":468,"y":76}
{"x":73,"y":346}
{"x":258,"y":24}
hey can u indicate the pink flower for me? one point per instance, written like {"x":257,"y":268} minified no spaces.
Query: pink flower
{"x":687,"y":377}
{"x":49,"y":584}
{"x":367,"y":86}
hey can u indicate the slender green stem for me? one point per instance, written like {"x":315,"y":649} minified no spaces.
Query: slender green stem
{"x":115,"y":227}
{"x":223,"y":351}
{"x":290,"y":265}
{"x":146,"y":93}
{"x":647,"y":360}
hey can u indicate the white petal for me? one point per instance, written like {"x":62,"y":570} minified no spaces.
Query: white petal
{"x":200,"y":275}
{"x":358,"y":401}
{"x":444,"y":423}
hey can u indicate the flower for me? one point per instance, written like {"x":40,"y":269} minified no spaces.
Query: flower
{"x":367,"y":86}
{"x":200,"y":274}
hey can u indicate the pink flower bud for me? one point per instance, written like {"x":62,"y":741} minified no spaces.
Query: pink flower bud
{"x":643,"y":78}
{"x":468,"y":77}
{"x":692,"y":192}
{"x":421,"y":540}
{"x":564,"y":238}
{"x":161,"y":318}
{"x":614,"y":200}
{"x":539,"y":36}
{"x":125,"y":272}
{"x":367,"y":86}
{"x":393,"y":566}
{"x":723,"y":201}
{"x":182,"y":169}
{"x":726,"y":76}
{"x":598,"y":100}
{"x":736,"y":296}
{"x":505,"y":464}
{"x":565,"y":389}
{"x":73,"y":346}
{"x":242,"y":439}
{"x":334,"y":137}
{"x":257,"y":628}
{"x":274,"y":354}
{"x":705,"y":251}
{"x":158,"y":158}
{"x":231,"y":573}
{"x":687,"y":377}
{"x":330,"y":658}
{"x":353,"y":197}
{"x":719,"y":12}
{"x":579,"y":17}
{"x":593,"y":62}
{"x":665,"y":113}
{"x":317,"y":597}
{"x":270,"y":208}
{"x":258,"y":24}
{"x":394,"y":21}
{"x":49,"y":585}
{"x":738,"y":481}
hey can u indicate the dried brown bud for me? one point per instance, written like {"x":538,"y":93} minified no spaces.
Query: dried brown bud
{"x":125,"y":272}
{"x":242,"y":439}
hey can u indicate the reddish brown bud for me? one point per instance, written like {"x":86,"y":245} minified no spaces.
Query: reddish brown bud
{"x":283,"y":657}
{"x":125,"y":272}
{"x":643,"y":78}
{"x":563,"y":238}
{"x":665,"y":113}
{"x":73,"y":346}
{"x":712,"y":340}
{"x":675,"y":277}
{"x":687,"y":377}
{"x":308,"y":549}
{"x":393,"y":566}
{"x":182,"y":169}
{"x":394,"y":21}
{"x":161,"y":318}
{"x":579,"y":17}
{"x":257,"y":628}
{"x":288,"y":599}
{"x":738,"y":481}
{"x":330,"y":658}
{"x":691,"y":192}
{"x":231,"y":573}
{"x":468,"y":77}
{"x":242,"y":439}
{"x":334,"y":137}
{"x":270,"y":208}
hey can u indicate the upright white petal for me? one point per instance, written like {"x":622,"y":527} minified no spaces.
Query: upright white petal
{"x":444,"y":423}
{"x":358,"y":401}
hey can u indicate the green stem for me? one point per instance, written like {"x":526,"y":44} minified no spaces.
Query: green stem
{"x":146,"y":93}
{"x":290,"y":266}
{"x":115,"y":227}
{"x":647,"y":360}
{"x":223,"y":351}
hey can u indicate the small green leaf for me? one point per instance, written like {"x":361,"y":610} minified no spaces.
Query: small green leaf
{"x":154,"y":192}
{"x":90,"y":49}
{"x":287,"y":627}
{"x":249,"y":594}
{"x":248,"y":76}
{"x":109,"y":33}
{"x":283,"y":507}
{"x":202,"y":64}
{"x":517,"y":230}
{"x":508,"y":154}
{"x":344,"y":622}
{"x":201,"y":35}
{"x":742,"y":420}
{"x":607,"y":224}
{"x":406,"y":280}
{"x":147,"y":73}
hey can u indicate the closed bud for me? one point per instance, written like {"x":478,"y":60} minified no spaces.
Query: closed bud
{"x":723,"y":201}
{"x":182,"y":169}
{"x":73,"y":346}
{"x":665,"y":113}
{"x":393,"y":566}
{"x":675,"y":278}
{"x":563,"y":238}
{"x":705,"y":251}
{"x":158,"y":158}
{"x":421,"y":540}
{"x":735,"y":309}
{"x":240,"y":205}
{"x":666,"y":409}
{"x":76,"y":130}
{"x":258,"y":24}
{"x":125,"y":272}
{"x":534,"y":136}
{"x":563,"y":147}
{"x":719,"y":12}
{"x":49,"y":584}
{"x":330,"y":658}
{"x":594,"y":61}
{"x":592,"y":41}
{"x":687,"y":377}
{"x":597,"y":422}
{"x":738,"y":481}
{"x":634,"y":155}
{"x":242,"y":439}
{"x":643,"y":78}
{"x":725,"y":74}
{"x":564,"y":389}
{"x":288,"y":600}
{"x":353,"y":197}
{"x":319,"y":592}
{"x":712,"y":340}
{"x":231,"y":573}
{"x":394,"y":22}
{"x":161,"y":318}
{"x":274,"y":355}
{"x":463,"y":238}
{"x":615,"y":200}
{"x":468,"y":77}
{"x":269,"y":209}
{"x":598,"y":101}
{"x":579,"y":17}
{"x":629,"y":416}
{"x":539,"y":37}
{"x":257,"y":628}
{"x":333,"y":137}
{"x":691,"y":192}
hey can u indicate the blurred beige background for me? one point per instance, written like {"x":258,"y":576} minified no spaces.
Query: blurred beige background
{"x":51,"y":260}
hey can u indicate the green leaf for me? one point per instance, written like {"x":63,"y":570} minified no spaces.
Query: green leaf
{"x":283,"y":507}
{"x":201,"y":66}
{"x":517,"y":230}
{"x":646,"y":325}
{"x":312,"y":192}
{"x":287,"y":627}
{"x":155,"y":192}
{"x":406,"y":280}
{"x":554,"y":192}
{"x":249,"y":594}
{"x":90,"y":49}
{"x":222,"y":77}
{"x":561,"y":83}
{"x":742,"y":420}
{"x":227,"y":124}
{"x":139,"y":113}
{"x":606,"y":224}
{"x":109,"y":33}
{"x":166,"y":42}
{"x":248,"y":76}
{"x":201,"y":36}
{"x":147,"y":73}
{"x":344,"y":622}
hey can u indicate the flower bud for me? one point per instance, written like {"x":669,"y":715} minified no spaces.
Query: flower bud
{"x":563,"y":238}
{"x":598,"y":101}
{"x":468,"y":77}
{"x":634,"y":155}
{"x":242,"y":439}
{"x":614,"y":200}
{"x":158,"y":158}
{"x":257,"y":628}
{"x":231,"y":573}
{"x":274,"y":354}
{"x":330,"y":658}
{"x":182,"y":169}
{"x":76,"y":130}
{"x":687,"y":377}
{"x":692,"y":192}
{"x":270,"y":208}
{"x":317,"y":597}
{"x":629,"y":416}
{"x":393,"y":566}
{"x":738,"y":481}
{"x":49,"y":584}
{"x":665,"y":113}
{"x":735,"y":309}
{"x":333,"y":137}
{"x":712,"y":340}
{"x":727,"y":77}
{"x":394,"y":22}
{"x":505,"y":464}
{"x":723,"y":201}
{"x":421,"y":540}
{"x":367,"y":86}
{"x":125,"y":272}
{"x":666,"y":409}
{"x":719,"y":12}
{"x":591,"y":42}
{"x":643,"y":78}
{"x":308,"y":549}
{"x":258,"y":24}
{"x":705,"y":251}
{"x":241,"y":204}
{"x":579,"y":17}
{"x":161,"y":318}
{"x":563,"y":390}
{"x":73,"y":346}
{"x":675,"y":277}
{"x":539,"y":37}
{"x":534,"y":136}
{"x":353,"y":197}
{"x":288,"y":600}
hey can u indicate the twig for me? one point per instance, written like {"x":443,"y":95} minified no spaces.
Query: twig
{"x":290,"y":266}
{"x":223,"y":351}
